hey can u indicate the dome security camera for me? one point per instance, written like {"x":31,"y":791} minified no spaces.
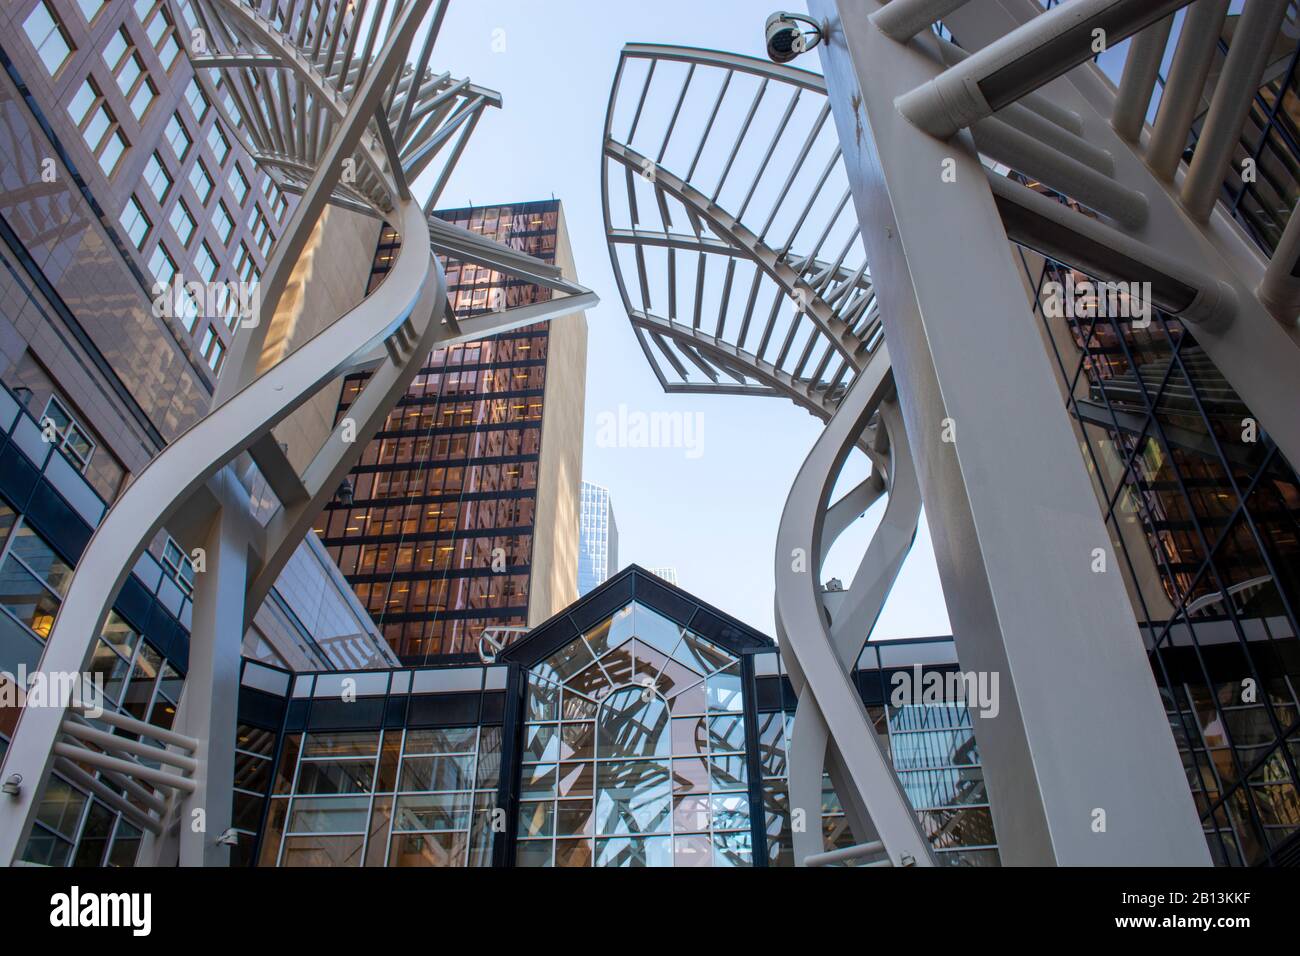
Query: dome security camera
{"x":786,"y":39}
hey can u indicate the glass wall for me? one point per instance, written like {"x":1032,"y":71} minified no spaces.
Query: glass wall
{"x":932,"y":746}
{"x":1204,"y":514}
{"x":634,"y":751}
{"x":391,"y":798}
{"x":443,"y":498}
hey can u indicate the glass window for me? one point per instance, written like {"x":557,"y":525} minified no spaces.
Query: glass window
{"x":201,"y":182}
{"x":218,"y":145}
{"x":162,"y":266}
{"x":90,"y":9}
{"x":177,"y":136}
{"x":135,"y":223}
{"x":182,"y":222}
{"x":48,"y":37}
{"x":238,"y":183}
{"x":205,"y":262}
{"x":82,"y":102}
{"x":178,"y":565}
{"x":72,"y":438}
{"x":198,"y":102}
{"x":643,"y":767}
{"x":156,"y":177}
{"x":223,"y":223}
{"x":114,"y":146}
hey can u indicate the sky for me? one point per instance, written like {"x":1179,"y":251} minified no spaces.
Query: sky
{"x":712,"y":514}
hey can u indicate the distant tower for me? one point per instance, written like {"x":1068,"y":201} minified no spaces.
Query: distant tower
{"x":668,"y":574}
{"x":598,"y":538}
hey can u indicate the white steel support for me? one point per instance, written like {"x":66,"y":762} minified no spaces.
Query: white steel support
{"x":207,"y":710}
{"x":1080,"y":764}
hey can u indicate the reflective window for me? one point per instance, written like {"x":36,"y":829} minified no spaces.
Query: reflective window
{"x":634,"y":751}
{"x":48,"y":36}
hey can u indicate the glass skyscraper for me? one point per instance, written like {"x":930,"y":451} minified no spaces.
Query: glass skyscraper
{"x":463,"y":516}
{"x":597,"y":538}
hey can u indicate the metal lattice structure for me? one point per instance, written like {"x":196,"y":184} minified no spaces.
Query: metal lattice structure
{"x":734,"y":286}
{"x":951,"y":147}
{"x":326,"y":107}
{"x":731,"y":285}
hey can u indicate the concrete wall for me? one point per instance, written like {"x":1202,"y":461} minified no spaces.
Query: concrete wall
{"x":329,"y":280}
{"x":554,"y":583}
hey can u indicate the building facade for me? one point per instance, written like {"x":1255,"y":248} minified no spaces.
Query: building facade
{"x":597,"y":538}
{"x":638,"y":727}
{"x":124,"y":122}
{"x":464,"y":509}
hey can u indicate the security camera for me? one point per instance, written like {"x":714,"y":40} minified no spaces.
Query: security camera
{"x":228,"y":838}
{"x":13,"y":785}
{"x":786,"y":39}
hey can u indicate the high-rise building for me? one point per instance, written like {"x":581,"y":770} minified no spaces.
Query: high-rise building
{"x":126,"y":136}
{"x":597,"y":538}
{"x":464,"y":507}
{"x":669,"y":574}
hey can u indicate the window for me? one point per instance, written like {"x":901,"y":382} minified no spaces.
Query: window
{"x":115,"y":145}
{"x":177,"y":136}
{"x":223,"y":223}
{"x":82,"y":102}
{"x":211,"y":348}
{"x":130,"y":72}
{"x":238,"y":183}
{"x":634,"y":751}
{"x":160,"y":30}
{"x":261,"y":229}
{"x":178,"y":565}
{"x":276,"y":203}
{"x":156,"y":178}
{"x":144,"y":96}
{"x":205,"y":262}
{"x":135,"y":222}
{"x":201,"y":181}
{"x":198,"y":102}
{"x":48,"y":37}
{"x":218,"y":145}
{"x":182,"y":222}
{"x":162,"y":266}
{"x":98,"y":125}
{"x":244,"y":266}
{"x":90,"y":9}
{"x":72,"y":438}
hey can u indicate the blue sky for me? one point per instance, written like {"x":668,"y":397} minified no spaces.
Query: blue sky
{"x":712,"y":516}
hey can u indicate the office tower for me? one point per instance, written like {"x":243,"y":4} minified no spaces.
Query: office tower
{"x":464,"y":508}
{"x":667,"y":573}
{"x":135,"y":143}
{"x":597,"y":538}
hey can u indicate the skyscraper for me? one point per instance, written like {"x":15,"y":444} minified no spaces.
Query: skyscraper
{"x":669,"y":574}
{"x":464,"y":510}
{"x":598,"y":538}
